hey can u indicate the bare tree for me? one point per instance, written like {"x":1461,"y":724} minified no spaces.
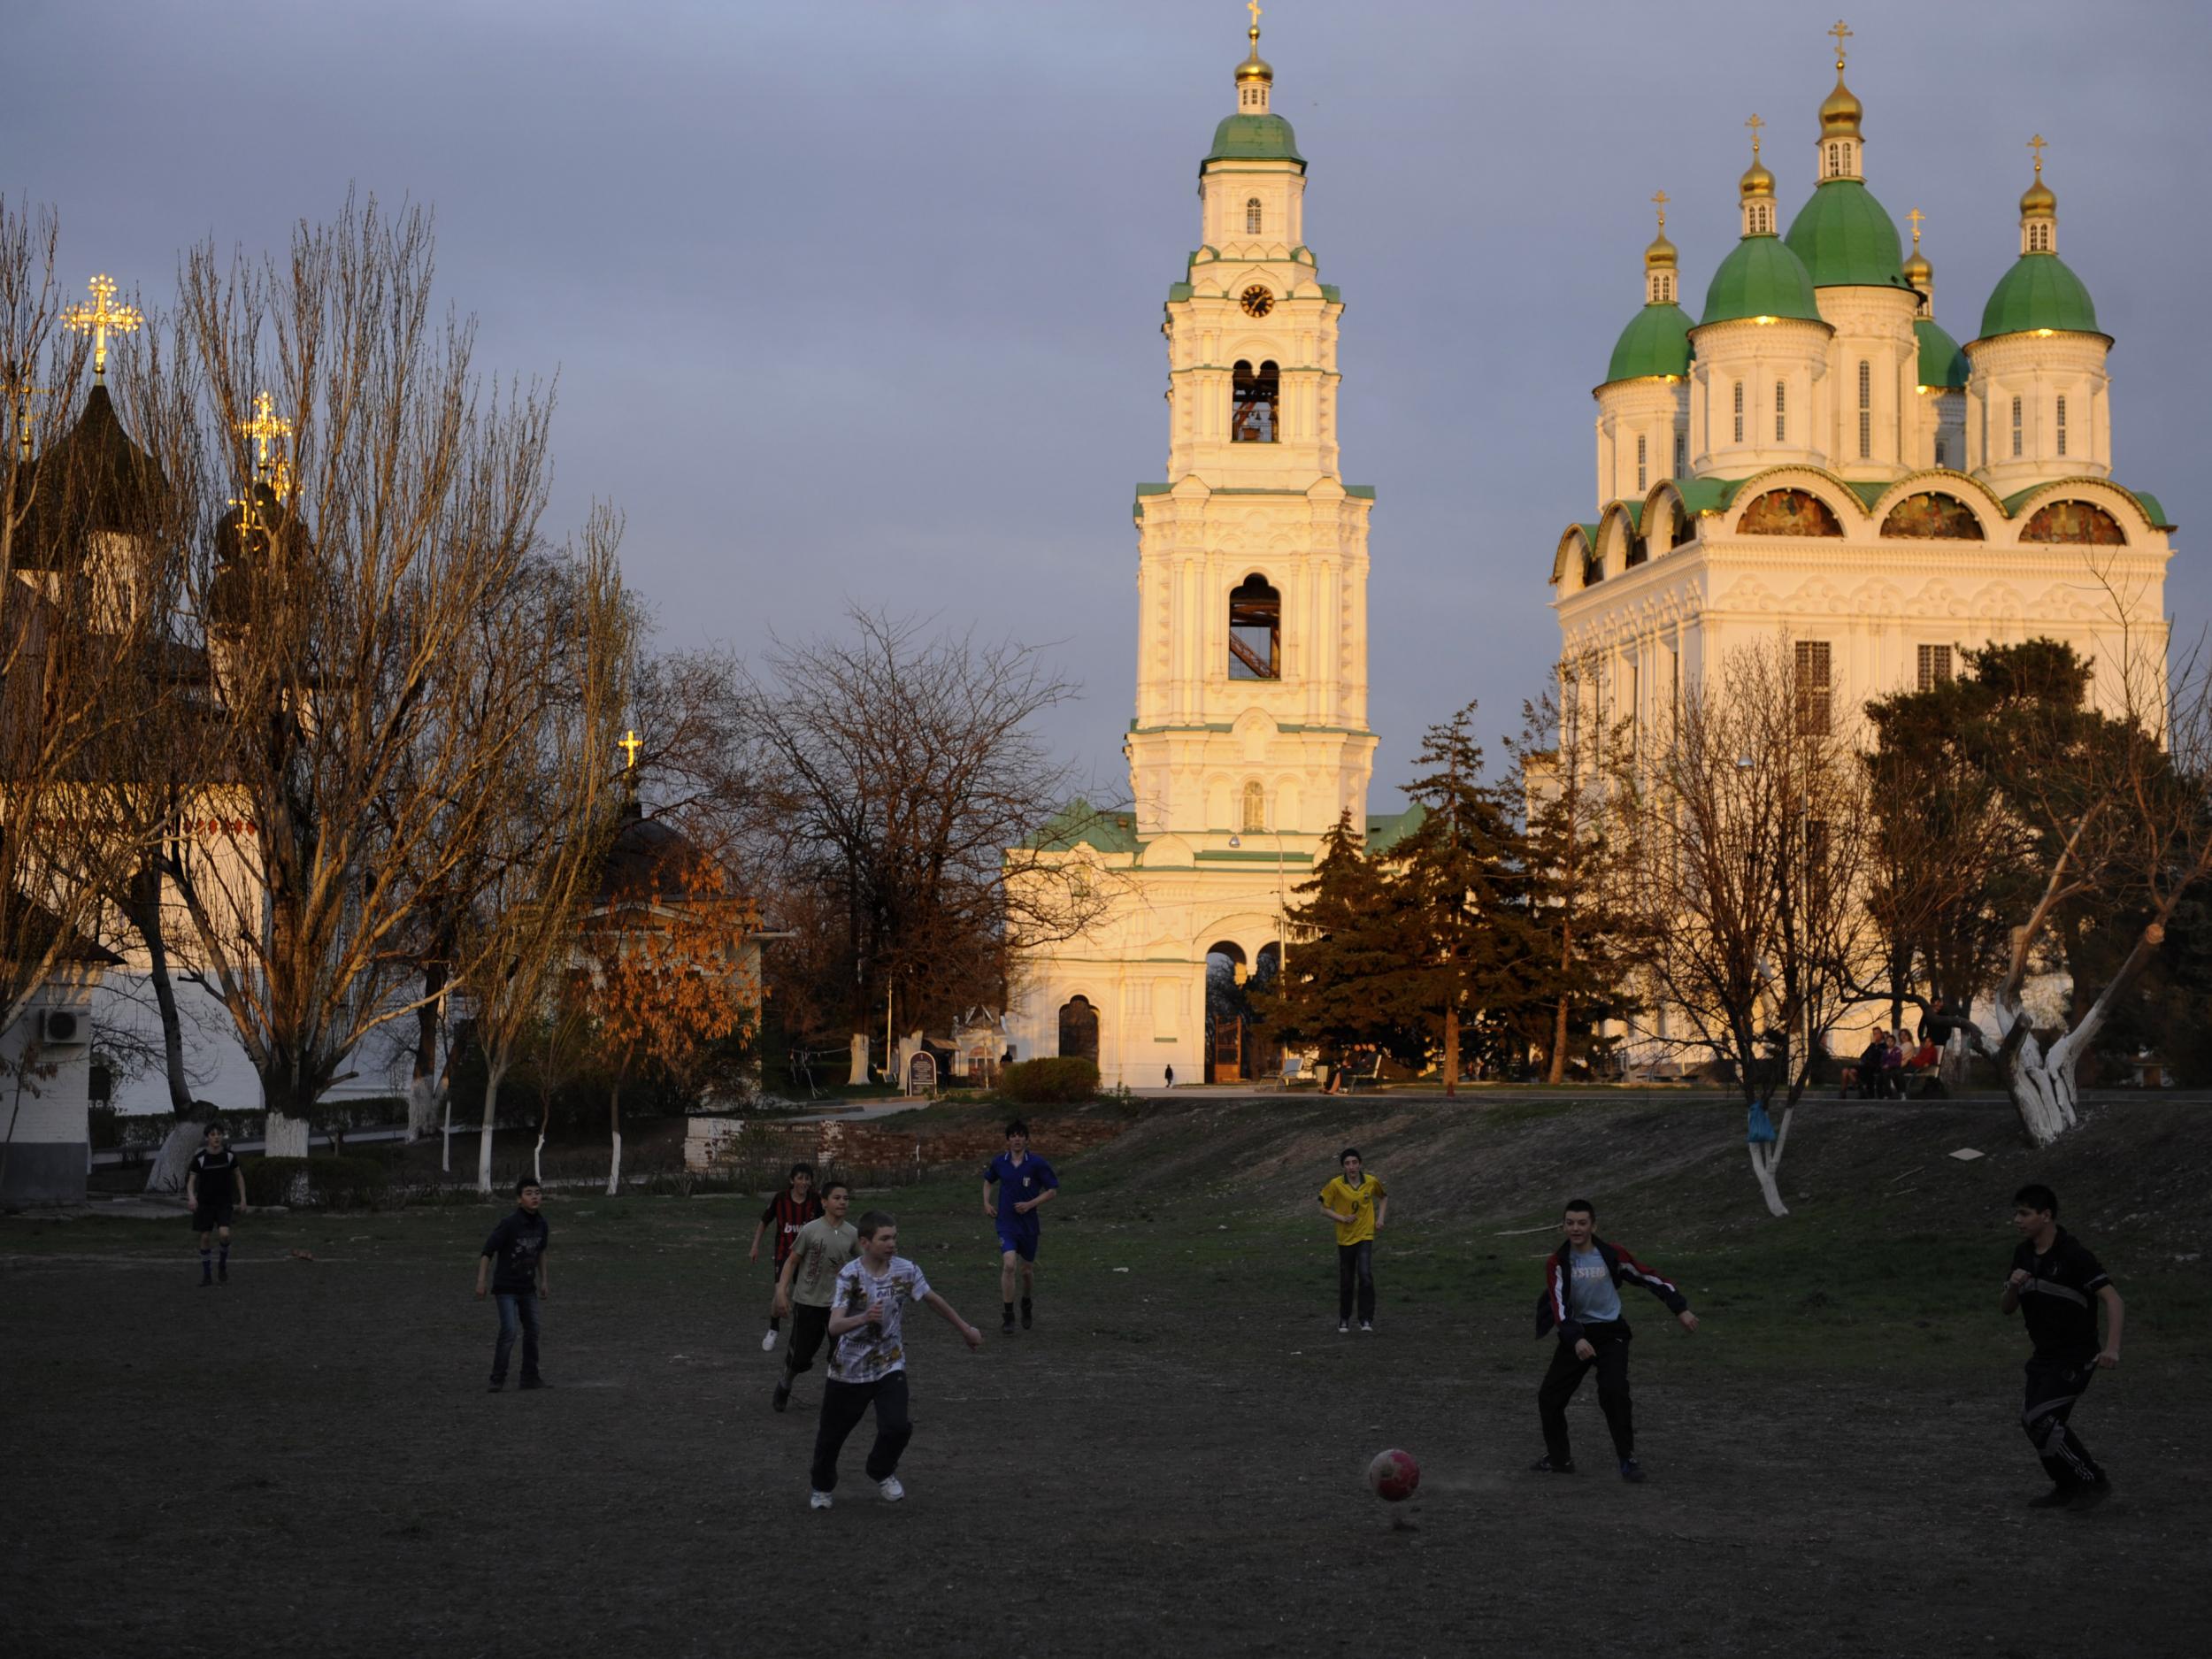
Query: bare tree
{"x":345,"y":602}
{"x":1745,"y":851}
{"x":902,"y":778}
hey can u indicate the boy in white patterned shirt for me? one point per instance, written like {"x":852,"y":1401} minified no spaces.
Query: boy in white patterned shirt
{"x":868,"y":1357}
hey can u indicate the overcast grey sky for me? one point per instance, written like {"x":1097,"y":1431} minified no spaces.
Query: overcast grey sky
{"x":860,"y":301}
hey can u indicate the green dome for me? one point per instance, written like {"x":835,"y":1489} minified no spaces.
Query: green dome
{"x":1656,"y":341}
{"x":1254,"y":138}
{"x":1761,"y":278}
{"x":1846,"y":240}
{"x":2039,"y":292}
{"x":1941,"y":362}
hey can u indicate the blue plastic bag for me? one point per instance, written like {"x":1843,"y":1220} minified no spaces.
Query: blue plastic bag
{"x":1760,"y":1127}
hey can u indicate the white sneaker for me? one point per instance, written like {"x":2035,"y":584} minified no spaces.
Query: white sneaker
{"x":890,"y":1488}
{"x":817,"y":1500}
{"x":1367,"y":1327}
{"x":1344,"y":1327}
{"x":768,"y":1343}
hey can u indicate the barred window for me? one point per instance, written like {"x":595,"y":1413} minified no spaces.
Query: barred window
{"x":1866,"y":409}
{"x":1781,"y":412}
{"x":1935,"y":666}
{"x":1678,"y":445}
{"x":1738,"y":412}
{"x":1252,"y":216}
{"x":1641,"y":455}
{"x":2062,"y":425}
{"x":2015,"y":427}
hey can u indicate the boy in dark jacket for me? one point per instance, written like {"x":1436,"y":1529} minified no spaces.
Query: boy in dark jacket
{"x":1582,"y":1304}
{"x":514,"y":1259}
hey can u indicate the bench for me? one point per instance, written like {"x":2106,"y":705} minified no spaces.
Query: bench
{"x":1367,"y":1069}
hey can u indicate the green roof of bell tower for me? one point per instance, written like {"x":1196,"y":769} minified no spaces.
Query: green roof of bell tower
{"x":1254,"y":138}
{"x":2039,"y":292}
{"x":1847,"y":240}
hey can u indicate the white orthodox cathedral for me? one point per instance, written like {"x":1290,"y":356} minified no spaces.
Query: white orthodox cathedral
{"x":1813,"y":455}
{"x":1250,"y":736}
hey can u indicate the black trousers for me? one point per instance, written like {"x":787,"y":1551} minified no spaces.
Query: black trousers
{"x":2054,"y":1387}
{"x":1610,"y":1340}
{"x":1356,"y":1270}
{"x":843,"y":1405}
{"x":810,"y":1327}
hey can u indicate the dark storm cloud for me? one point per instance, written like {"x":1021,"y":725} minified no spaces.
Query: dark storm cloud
{"x":860,"y":301}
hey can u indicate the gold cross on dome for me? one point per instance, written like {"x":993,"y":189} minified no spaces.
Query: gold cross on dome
{"x":1662,"y":198}
{"x":2039,"y":144}
{"x":1916,"y":216}
{"x":1253,"y":6}
{"x":629,"y":746}
{"x":1755,"y":124}
{"x":1841,"y":34}
{"x":249,"y":518}
{"x":100,"y":319}
{"x":263,"y":427}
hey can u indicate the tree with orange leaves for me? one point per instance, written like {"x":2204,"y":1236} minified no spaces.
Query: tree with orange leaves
{"x":665,"y":971}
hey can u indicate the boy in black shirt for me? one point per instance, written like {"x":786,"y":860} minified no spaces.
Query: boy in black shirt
{"x":215,"y":1188}
{"x":515,"y":1257}
{"x":788,"y":1211}
{"x":2054,"y":1277}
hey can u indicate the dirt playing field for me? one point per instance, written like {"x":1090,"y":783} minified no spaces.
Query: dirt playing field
{"x":304,"y":1461}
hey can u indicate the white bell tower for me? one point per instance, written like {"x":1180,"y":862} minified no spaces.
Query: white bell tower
{"x":1252,"y":576}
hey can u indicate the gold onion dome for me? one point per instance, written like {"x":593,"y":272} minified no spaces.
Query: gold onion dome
{"x":2037,"y":199}
{"x":1660,"y":256}
{"x":1757,"y":180}
{"x":1918,"y":272}
{"x":1841,"y":111}
{"x":1256,"y":67}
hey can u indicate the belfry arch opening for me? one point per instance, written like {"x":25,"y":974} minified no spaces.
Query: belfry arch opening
{"x":1257,"y":392}
{"x":1256,"y":630}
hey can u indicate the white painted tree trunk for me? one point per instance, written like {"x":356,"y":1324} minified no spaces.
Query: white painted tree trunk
{"x":175,"y":1156}
{"x":2041,"y":1084}
{"x":1766,"y":1164}
{"x":422,"y":1106}
{"x":484,"y":1139}
{"x":537,"y":1159}
{"x":445,"y":1161}
{"x":284,"y":1137}
{"x":614,"y":1163}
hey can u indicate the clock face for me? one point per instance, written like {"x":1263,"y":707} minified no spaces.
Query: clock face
{"x":1257,"y":301}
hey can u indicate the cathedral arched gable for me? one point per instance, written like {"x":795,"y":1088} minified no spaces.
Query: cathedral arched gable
{"x":1983,"y":502}
{"x":1663,"y":508}
{"x":2116,"y":499}
{"x":1832,"y":492}
{"x":1574,"y":551}
{"x":1617,"y":534}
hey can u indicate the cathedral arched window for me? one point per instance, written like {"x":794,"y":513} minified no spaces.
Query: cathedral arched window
{"x":1256,"y":630}
{"x":1943,"y":453}
{"x":1255,"y":814}
{"x":1781,"y":411}
{"x":1738,"y":412}
{"x":1866,"y":409}
{"x":1258,"y":393}
{"x":1252,"y":216}
{"x":2062,"y":425}
{"x":1835,"y":161}
{"x":1642,"y":456}
{"x":2015,"y":427}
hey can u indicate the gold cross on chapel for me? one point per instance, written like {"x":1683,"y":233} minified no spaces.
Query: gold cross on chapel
{"x":1755,"y":124}
{"x":1662,"y":198}
{"x":1253,"y":6}
{"x":100,"y":319}
{"x":2039,"y":144}
{"x":263,"y":427}
{"x":1916,"y":216}
{"x":1841,"y":34}
{"x":629,"y":746}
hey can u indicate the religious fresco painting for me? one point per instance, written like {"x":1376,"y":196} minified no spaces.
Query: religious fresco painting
{"x":1933,"y":517}
{"x":2078,"y":522}
{"x":1788,"y":512}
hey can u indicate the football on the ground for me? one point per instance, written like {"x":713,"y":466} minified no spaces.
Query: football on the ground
{"x":1394,"y":1476}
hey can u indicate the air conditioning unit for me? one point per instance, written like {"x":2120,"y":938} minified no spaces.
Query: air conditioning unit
{"x":63,"y":1028}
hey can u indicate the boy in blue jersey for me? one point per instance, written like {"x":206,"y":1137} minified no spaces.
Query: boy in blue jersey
{"x":1023,"y":1181}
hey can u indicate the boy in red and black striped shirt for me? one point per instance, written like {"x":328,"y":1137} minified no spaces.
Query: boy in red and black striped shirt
{"x":789,"y":1211}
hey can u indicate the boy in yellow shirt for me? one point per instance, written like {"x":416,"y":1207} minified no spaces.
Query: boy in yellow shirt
{"x":1358,"y":1202}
